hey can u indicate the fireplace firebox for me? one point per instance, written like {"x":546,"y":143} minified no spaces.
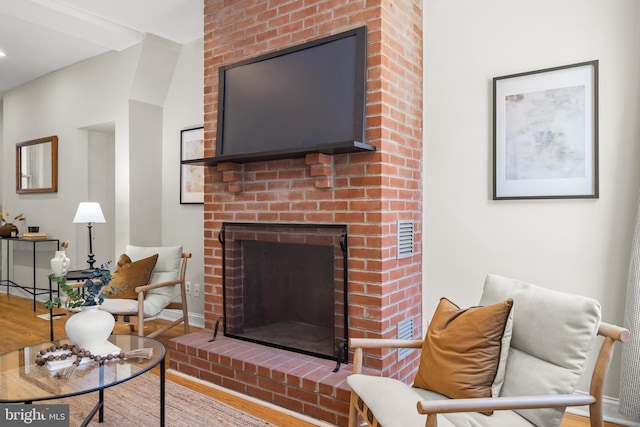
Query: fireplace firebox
{"x":285,"y":286}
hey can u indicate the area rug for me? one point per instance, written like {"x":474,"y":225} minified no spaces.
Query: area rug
{"x":137,"y":403}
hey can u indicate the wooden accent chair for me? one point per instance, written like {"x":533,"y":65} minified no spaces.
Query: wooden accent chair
{"x":166,"y":290}
{"x":551,"y":337}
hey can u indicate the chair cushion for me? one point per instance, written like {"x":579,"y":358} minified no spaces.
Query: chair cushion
{"x":551,"y":340}
{"x":505,"y":345}
{"x":167,"y":267}
{"x":151,"y":307}
{"x":461,"y":351}
{"x":393,"y":403}
{"x":130,"y":275}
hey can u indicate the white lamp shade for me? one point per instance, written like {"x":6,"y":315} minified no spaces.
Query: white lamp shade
{"x":89,"y":212}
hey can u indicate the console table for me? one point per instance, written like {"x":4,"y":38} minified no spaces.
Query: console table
{"x":8,"y":281}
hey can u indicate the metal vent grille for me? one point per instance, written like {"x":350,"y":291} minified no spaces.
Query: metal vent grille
{"x":405,"y":239}
{"x":405,"y":332}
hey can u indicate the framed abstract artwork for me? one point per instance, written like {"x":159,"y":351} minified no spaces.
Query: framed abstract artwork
{"x":191,"y":175}
{"x":545,"y":133}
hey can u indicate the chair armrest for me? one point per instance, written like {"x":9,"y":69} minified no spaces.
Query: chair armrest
{"x":501,"y":403}
{"x":80,"y":284}
{"x":614,"y":331}
{"x":383,"y":343}
{"x":359,"y":343}
{"x":76,"y":285}
{"x":145,"y":288}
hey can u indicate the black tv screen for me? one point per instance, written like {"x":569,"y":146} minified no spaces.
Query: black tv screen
{"x":308,"y":98}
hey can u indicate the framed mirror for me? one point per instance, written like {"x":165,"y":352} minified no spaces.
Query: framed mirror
{"x":37,"y":165}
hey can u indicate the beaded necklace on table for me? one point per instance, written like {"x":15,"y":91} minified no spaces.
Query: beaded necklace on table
{"x":71,"y":350}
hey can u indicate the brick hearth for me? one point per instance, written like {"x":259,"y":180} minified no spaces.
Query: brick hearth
{"x":368,"y":192}
{"x":301,"y":383}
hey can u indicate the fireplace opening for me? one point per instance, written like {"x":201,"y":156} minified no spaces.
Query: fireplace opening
{"x":285,"y":286}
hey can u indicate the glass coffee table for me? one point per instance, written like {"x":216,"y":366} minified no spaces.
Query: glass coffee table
{"x":23,"y":381}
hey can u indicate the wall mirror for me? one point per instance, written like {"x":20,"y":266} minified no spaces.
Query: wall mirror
{"x":37,"y":165}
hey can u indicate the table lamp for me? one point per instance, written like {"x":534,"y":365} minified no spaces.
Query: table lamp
{"x":89,"y":213}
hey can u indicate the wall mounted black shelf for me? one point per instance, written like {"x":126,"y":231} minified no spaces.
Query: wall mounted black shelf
{"x":337,"y":148}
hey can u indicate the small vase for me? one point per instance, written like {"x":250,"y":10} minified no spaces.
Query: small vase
{"x":8,"y":230}
{"x":90,"y":328}
{"x":60,"y":264}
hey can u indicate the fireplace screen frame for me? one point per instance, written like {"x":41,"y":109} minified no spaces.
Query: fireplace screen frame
{"x":340,"y":353}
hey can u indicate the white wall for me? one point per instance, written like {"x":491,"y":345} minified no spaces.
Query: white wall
{"x":111,"y":128}
{"x":184,"y":108}
{"x":580,"y":246}
{"x":64,"y":103}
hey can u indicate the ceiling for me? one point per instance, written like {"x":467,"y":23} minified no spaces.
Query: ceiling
{"x":41,"y":36}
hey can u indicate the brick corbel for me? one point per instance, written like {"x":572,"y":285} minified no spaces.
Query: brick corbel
{"x":232,"y":176}
{"x":321,"y":168}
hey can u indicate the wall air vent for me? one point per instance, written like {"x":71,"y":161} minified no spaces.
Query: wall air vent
{"x":405,"y":332}
{"x":405,"y":239}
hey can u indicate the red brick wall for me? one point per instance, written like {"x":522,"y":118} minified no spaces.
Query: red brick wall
{"x":369,"y":191}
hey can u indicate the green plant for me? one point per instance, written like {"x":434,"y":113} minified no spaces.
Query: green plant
{"x":91,"y":292}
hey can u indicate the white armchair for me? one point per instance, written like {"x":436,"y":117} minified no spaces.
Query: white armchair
{"x":165,"y":290}
{"x":552,"y":334}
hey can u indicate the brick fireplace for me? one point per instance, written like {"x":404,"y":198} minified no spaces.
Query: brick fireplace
{"x":284,"y":286}
{"x":371,"y":193}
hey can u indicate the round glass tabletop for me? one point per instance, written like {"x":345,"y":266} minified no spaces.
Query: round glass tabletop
{"x":22,"y":380}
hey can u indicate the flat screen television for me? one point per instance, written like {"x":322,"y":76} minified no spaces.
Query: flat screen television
{"x":307,"y":98}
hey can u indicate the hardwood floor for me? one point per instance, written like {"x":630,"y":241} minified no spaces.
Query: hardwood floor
{"x":21,"y":327}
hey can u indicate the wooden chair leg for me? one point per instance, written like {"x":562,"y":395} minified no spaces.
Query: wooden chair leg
{"x":185,"y":317}
{"x":353,"y":411}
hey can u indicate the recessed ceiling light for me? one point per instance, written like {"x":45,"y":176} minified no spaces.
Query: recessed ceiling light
{"x":2,"y":53}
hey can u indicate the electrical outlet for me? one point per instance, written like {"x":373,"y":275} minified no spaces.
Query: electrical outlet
{"x":196,"y":290}
{"x":187,"y":288}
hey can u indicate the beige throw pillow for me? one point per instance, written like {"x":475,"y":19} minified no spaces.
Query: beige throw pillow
{"x":130,"y":275}
{"x":461,"y":351}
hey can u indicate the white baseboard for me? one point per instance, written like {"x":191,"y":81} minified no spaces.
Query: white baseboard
{"x":195,"y":319}
{"x":610,"y":412}
{"x":24,"y":294}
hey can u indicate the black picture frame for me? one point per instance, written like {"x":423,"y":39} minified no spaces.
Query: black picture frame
{"x":191,"y":175}
{"x":545,"y":133}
